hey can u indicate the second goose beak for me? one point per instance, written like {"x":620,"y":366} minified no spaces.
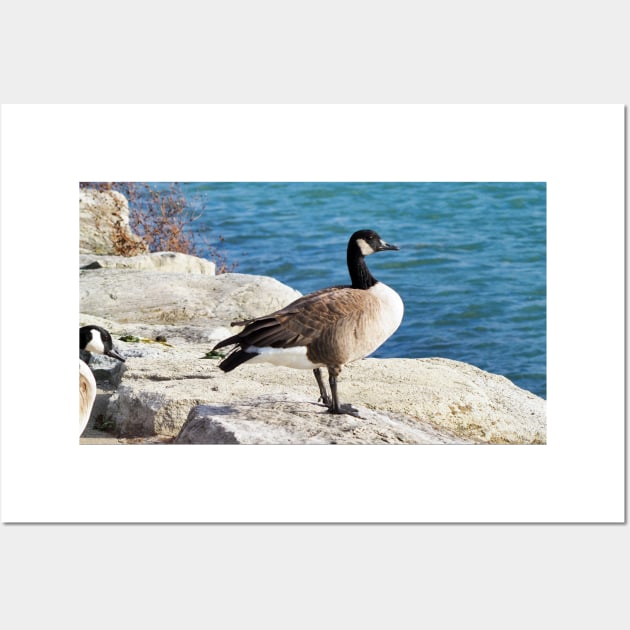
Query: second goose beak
{"x":115,"y":355}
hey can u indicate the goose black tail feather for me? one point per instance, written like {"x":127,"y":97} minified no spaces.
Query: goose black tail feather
{"x":235,"y":358}
{"x":230,"y":341}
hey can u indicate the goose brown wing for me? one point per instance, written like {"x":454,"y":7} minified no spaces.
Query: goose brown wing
{"x":301,"y":322}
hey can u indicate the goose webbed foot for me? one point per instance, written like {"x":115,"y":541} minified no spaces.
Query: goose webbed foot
{"x":344,"y":409}
{"x":332,"y":401}
{"x":335,"y":406}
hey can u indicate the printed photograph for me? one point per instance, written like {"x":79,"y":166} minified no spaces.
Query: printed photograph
{"x":292,"y":313}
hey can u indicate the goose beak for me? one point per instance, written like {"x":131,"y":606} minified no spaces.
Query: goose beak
{"x":386,"y":246}
{"x":115,"y":355}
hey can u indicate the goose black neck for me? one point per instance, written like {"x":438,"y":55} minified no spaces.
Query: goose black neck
{"x":359,"y":272}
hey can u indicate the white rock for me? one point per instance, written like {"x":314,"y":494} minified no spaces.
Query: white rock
{"x":128,"y":296}
{"x":167,"y":262}
{"x":291,"y":420}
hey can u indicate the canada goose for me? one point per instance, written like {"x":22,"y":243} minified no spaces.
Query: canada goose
{"x":98,"y":340}
{"x":327,"y":328}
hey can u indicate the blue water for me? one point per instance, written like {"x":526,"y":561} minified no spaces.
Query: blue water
{"x":471,"y":267}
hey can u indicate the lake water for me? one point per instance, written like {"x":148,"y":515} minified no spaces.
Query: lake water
{"x":471,"y":268}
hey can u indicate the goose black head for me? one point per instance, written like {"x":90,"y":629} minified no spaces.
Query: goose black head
{"x":369,"y":242}
{"x":98,"y":340}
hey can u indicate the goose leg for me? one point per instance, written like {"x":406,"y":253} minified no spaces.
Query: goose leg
{"x":324,"y":397}
{"x":333,"y":373}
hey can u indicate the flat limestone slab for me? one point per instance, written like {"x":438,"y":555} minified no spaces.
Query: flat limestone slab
{"x":132,"y":296}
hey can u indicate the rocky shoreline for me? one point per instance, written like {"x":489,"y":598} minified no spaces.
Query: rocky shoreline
{"x":170,"y":392}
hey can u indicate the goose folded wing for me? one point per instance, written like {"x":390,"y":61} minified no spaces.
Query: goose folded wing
{"x":304,"y":321}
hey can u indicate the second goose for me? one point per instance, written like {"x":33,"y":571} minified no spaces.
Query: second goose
{"x":328,"y":328}
{"x":92,"y":339}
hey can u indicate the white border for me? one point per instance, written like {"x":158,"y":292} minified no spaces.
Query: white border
{"x":577,"y":150}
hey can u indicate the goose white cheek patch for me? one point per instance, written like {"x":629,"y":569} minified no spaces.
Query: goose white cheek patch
{"x":96,"y":343}
{"x":366,"y":250}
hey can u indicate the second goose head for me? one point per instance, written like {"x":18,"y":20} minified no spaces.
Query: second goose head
{"x":98,"y":340}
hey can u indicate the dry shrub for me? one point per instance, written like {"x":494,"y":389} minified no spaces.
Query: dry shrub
{"x":124,"y":244}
